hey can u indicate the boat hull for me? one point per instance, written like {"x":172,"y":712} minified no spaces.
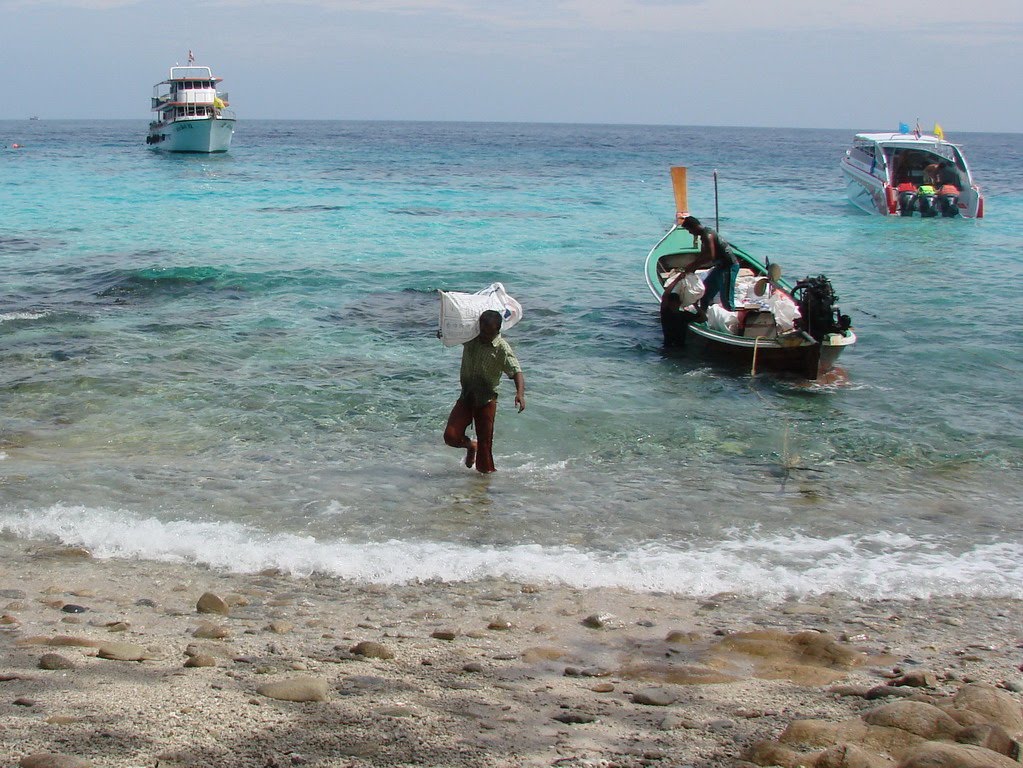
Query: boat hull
{"x":810,"y":361}
{"x":866,"y":192}
{"x":205,"y":136}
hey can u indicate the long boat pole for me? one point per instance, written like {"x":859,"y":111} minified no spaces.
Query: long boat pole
{"x":717,"y":221}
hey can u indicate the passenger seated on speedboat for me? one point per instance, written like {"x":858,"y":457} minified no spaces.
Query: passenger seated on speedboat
{"x":912,"y":167}
{"x":948,"y":176}
{"x":903,"y":170}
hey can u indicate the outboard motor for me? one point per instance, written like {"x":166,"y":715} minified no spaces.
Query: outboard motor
{"x":948,"y":200}
{"x":907,"y":198}
{"x":818,"y":311}
{"x":926,"y":201}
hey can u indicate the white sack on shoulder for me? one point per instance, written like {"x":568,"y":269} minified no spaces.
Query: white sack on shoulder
{"x":460,"y":312}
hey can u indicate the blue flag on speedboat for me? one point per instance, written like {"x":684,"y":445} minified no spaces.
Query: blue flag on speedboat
{"x":903,"y":127}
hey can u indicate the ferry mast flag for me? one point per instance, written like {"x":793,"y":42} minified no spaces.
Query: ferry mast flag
{"x":191,"y":58}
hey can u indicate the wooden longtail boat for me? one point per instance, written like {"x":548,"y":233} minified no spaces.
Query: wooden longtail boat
{"x":761,"y":331}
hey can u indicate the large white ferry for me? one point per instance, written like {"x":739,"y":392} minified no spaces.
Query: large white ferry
{"x":910,"y":173}
{"x":192,"y":115}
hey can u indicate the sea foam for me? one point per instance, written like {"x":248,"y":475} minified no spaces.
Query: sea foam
{"x":27,"y":315}
{"x":880,"y":565}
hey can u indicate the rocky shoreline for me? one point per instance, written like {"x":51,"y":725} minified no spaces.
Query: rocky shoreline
{"x":124,"y":663}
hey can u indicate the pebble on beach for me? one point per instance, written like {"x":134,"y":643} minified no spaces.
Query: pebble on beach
{"x":123,"y":652}
{"x":209,"y":631}
{"x":371,"y":650}
{"x":297,"y":689}
{"x":661,"y":682}
{"x":53,"y":661}
{"x":200,"y":660}
{"x":52,"y":760}
{"x":211,"y":603}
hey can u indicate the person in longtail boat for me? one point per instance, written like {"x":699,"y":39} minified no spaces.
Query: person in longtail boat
{"x":717,"y":254}
{"x":675,"y":319}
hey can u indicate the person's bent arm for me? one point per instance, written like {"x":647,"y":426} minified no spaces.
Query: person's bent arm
{"x":520,"y":391}
{"x":670,"y":286}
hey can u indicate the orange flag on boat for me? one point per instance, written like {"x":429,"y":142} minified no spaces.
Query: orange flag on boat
{"x":939,"y":132}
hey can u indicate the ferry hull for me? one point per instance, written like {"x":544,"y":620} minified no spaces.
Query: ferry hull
{"x":206,"y":136}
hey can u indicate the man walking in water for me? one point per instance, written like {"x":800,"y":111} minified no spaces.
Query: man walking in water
{"x":484,"y":359}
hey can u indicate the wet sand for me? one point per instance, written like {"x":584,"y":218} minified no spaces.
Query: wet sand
{"x":490,"y":673}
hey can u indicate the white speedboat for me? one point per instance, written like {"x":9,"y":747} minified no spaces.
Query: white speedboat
{"x":910,"y":173}
{"x":192,"y":115}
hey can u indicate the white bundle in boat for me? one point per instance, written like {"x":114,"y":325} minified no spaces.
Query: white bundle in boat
{"x":460,"y":312}
{"x":721,"y":319}
{"x":785,"y":311}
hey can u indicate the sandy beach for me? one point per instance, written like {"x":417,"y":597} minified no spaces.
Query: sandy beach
{"x":127,"y":663}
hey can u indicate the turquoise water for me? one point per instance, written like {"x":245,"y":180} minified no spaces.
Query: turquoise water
{"x":232,"y":360}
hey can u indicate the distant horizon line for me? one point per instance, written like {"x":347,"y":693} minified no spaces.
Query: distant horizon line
{"x":146,"y":120}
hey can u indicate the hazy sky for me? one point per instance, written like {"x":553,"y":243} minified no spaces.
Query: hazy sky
{"x":802,"y":63}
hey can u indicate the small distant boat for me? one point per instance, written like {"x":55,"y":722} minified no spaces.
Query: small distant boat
{"x":910,"y":173}
{"x":34,"y":117}
{"x":774,"y":325}
{"x":192,"y":115}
